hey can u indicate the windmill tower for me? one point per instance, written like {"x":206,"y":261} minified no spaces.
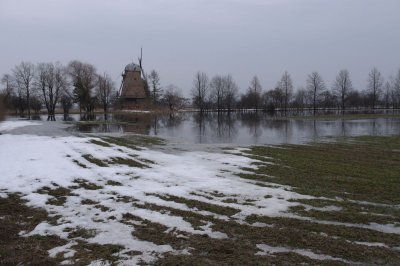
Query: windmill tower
{"x":132,"y":91}
{"x":133,"y":87}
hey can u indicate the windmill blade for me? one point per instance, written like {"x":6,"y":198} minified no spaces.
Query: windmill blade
{"x":140,"y":59}
{"x":120,"y":87}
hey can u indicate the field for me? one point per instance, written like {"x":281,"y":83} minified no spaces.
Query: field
{"x":138,"y":200}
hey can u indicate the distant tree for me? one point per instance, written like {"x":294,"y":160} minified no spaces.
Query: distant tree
{"x":230,"y":92}
{"x":217,"y":86}
{"x":329,"y":100}
{"x":23,"y":75}
{"x":396,"y":90}
{"x":66,"y":103}
{"x":200,"y":90}
{"x":387,"y":94}
{"x":7,"y":91}
{"x":17,"y":100}
{"x":375,"y":84}
{"x":50,"y":80}
{"x":106,"y":92}
{"x":354,"y":98}
{"x":254,"y":92}
{"x":156,"y":91}
{"x":342,"y":87}
{"x":172,"y":97}
{"x":315,"y":85}
{"x":7,"y":81}
{"x":2,"y":107}
{"x":300,"y":98}
{"x":36,"y":104}
{"x":84,"y":80}
{"x":276,"y":98}
{"x":286,"y":85}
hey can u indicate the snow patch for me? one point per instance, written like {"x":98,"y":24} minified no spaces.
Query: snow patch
{"x":66,"y":249}
{"x":270,"y":250}
{"x":11,"y":125}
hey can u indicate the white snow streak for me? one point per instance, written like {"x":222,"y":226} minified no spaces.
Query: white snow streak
{"x":30,"y":163}
{"x":11,"y":125}
{"x":270,"y":250}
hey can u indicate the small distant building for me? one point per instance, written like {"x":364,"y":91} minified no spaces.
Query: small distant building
{"x":133,"y":92}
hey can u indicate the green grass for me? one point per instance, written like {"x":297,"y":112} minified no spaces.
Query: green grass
{"x":134,"y":141}
{"x":113,"y":160}
{"x":223,"y":210}
{"x":100,"y":143}
{"x":81,"y":183}
{"x":58,"y":195}
{"x":79,"y":163}
{"x":240,"y":246}
{"x":94,"y":160}
{"x":126,"y":161}
{"x":359,"y":176}
{"x":364,"y":169}
{"x":343,"y":117}
{"x":113,"y":183}
{"x":20,"y":250}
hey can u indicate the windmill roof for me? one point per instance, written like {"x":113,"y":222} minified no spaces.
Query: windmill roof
{"x":132,"y":67}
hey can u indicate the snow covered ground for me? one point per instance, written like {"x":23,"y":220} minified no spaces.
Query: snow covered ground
{"x":102,"y":187}
{"x":11,"y":125}
{"x":33,"y":164}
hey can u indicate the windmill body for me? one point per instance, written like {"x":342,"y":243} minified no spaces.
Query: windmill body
{"x":133,"y":86}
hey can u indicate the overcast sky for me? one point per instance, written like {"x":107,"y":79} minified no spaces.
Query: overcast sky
{"x":179,"y":37}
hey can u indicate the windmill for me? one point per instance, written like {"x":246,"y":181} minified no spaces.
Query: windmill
{"x":133,"y":89}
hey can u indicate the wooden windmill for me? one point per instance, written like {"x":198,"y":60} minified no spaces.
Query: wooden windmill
{"x":133,"y":86}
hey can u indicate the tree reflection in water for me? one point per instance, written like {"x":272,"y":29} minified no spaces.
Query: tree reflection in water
{"x":243,"y":128}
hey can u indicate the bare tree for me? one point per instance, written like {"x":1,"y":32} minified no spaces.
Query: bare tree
{"x":275,"y":98}
{"x":255,"y":92}
{"x":7,"y":81}
{"x":36,"y":104}
{"x":230,"y":92}
{"x":200,"y":90}
{"x":315,"y":85}
{"x":50,"y":80}
{"x":328,"y":99}
{"x":286,"y":85}
{"x":300,"y":98}
{"x":66,"y":102}
{"x":18,"y":101}
{"x":217,"y":86}
{"x":396,"y":90}
{"x":342,"y":87}
{"x":24,"y":74}
{"x":7,"y":92}
{"x":156,"y":91}
{"x":172,"y":97}
{"x":84,"y":80}
{"x":375,"y":84}
{"x":2,"y":107}
{"x":106,"y":91}
{"x":354,"y":99}
{"x":387,"y":92}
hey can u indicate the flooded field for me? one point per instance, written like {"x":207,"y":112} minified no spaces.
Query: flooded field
{"x":237,"y":128}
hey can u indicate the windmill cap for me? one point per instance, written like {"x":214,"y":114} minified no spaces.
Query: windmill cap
{"x":132,"y":67}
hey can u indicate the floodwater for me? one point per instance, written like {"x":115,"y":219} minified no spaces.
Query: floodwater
{"x":235,"y":128}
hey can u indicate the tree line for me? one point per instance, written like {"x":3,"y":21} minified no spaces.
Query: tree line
{"x":221,"y":93}
{"x":29,"y":88}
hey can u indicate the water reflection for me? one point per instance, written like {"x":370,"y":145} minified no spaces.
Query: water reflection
{"x":238,"y":128}
{"x":212,"y":127}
